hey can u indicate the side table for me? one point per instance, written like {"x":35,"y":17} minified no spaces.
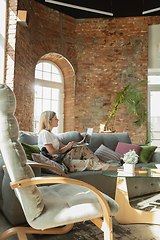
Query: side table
{"x":128,"y":214}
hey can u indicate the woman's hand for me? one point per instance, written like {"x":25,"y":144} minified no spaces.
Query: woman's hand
{"x":63,"y":148}
{"x":70,"y":144}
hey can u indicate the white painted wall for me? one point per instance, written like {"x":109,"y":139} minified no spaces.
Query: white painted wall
{"x":2,"y":37}
{"x":153,"y":41}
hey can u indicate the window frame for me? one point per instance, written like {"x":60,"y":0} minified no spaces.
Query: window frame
{"x":152,"y":87}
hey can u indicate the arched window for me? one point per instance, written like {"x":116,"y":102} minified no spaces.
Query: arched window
{"x":49,"y":93}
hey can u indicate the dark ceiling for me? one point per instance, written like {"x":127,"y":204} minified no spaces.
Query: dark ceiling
{"x":119,"y":8}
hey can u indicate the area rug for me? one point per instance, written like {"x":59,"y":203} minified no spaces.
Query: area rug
{"x":88,"y":231}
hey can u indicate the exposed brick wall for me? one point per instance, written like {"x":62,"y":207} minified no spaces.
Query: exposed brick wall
{"x":111,"y":53}
{"x":10,"y":42}
{"x":48,"y":31}
{"x":106,"y":54}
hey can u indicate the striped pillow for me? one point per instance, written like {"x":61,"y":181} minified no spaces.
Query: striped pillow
{"x":39,"y":158}
{"x":107,"y":155}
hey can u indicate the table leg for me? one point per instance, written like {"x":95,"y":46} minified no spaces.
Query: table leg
{"x":127,"y":214}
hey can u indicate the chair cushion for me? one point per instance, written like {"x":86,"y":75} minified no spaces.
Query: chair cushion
{"x":14,"y":156}
{"x":69,"y":203}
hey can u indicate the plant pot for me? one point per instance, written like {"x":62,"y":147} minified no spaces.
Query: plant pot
{"x":104,"y":129}
{"x":107,"y":131}
{"x":129,"y":168}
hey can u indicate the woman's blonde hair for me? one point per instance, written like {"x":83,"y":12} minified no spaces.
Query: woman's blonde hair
{"x":45,"y":117}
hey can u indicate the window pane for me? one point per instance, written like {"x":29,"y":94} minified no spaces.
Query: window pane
{"x":156,"y":143}
{"x":39,"y":66}
{"x":47,"y":67}
{"x":46,"y":93}
{"x":155,"y":118}
{"x":156,"y":134}
{"x":54,"y":106}
{"x":38,"y":74}
{"x":46,"y":105}
{"x":37,"y":109}
{"x":155,"y":123}
{"x":155,"y":98}
{"x":56,"y":78}
{"x":36,"y":127}
{"x":55,"y":94}
{"x":38,"y":91}
{"x":153,"y":79}
{"x":54,"y":69}
{"x":47,"y":76}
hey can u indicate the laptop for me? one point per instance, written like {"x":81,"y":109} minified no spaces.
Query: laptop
{"x":87,"y":139}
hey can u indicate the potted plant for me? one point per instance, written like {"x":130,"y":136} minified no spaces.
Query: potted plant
{"x":130,"y":159}
{"x":135,"y":99}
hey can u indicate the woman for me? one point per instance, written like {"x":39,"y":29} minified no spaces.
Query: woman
{"x":78,"y":159}
{"x":49,"y":140}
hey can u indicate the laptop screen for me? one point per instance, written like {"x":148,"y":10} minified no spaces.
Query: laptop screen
{"x":88,"y":135}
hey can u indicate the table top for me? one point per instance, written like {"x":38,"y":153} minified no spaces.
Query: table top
{"x":138,"y":173}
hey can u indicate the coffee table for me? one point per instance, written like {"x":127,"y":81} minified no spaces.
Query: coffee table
{"x":128,"y":214}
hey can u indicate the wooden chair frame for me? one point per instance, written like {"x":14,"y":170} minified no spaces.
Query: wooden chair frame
{"x":104,"y":224}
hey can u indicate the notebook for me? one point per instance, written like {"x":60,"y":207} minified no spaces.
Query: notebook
{"x":87,"y":139}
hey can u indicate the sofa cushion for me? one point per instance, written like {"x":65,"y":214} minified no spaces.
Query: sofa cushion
{"x":109,"y":140}
{"x":146,"y":153}
{"x":67,"y":137}
{"x":29,"y":149}
{"x":123,"y":148}
{"x":28,"y":137}
{"x":42,"y":159}
{"x":107,"y":155}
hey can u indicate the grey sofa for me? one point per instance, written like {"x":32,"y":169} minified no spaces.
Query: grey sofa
{"x":136,"y":187}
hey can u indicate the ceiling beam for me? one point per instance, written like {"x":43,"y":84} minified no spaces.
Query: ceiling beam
{"x":79,"y":7}
{"x":151,"y":10}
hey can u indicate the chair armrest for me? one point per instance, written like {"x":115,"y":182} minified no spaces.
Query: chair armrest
{"x":107,"y":217}
{"x":41,"y":165}
{"x":4,"y":167}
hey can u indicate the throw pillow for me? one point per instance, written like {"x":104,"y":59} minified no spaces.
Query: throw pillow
{"x":107,"y":155}
{"x":42,"y":159}
{"x":29,"y":149}
{"x":146,"y":153}
{"x":123,"y":148}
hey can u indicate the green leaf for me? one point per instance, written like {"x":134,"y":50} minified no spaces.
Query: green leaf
{"x":135,"y":99}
